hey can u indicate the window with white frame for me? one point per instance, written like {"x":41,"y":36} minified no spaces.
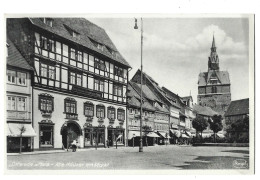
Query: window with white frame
{"x":111,"y":112}
{"x":47,"y":71}
{"x":44,"y":43}
{"x":100,"y":111}
{"x":16,"y":103}
{"x":99,"y":85}
{"x":89,"y":109}
{"x":21,"y":78}
{"x":21,"y":104}
{"x":72,"y":53}
{"x":46,"y":103}
{"x":11,"y":76}
{"x":79,"y":79}
{"x":121,"y":114}
{"x":11,"y":104}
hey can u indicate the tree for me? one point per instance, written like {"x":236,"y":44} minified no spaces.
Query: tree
{"x":216,"y":124}
{"x":22,"y":130}
{"x":200,"y":124}
{"x":240,"y":126}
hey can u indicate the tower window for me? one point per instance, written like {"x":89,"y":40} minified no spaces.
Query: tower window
{"x":214,"y":89}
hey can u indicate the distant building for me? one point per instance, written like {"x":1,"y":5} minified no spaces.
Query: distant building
{"x":206,"y":113}
{"x":214,"y":85}
{"x":79,"y":81}
{"x":18,"y":101}
{"x":237,"y":110}
{"x":133,"y":114}
{"x":155,"y":95}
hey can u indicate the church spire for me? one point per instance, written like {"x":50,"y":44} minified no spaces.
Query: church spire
{"x":213,"y":47}
{"x":213,"y":63}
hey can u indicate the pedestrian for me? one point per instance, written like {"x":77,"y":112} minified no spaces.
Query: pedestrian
{"x":107,"y":143}
{"x":74,"y":145}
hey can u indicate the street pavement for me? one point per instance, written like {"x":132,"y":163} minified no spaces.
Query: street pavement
{"x":128,"y":158}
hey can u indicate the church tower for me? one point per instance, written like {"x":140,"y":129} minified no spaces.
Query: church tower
{"x":214,"y":85}
{"x":213,"y":63}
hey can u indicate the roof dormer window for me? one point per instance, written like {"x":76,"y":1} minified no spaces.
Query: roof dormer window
{"x":48,"y":21}
{"x":100,"y":46}
{"x":75,"y":34}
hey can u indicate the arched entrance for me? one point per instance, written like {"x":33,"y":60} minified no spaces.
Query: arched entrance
{"x":70,"y":131}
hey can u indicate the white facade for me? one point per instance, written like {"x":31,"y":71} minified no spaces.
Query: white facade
{"x":58,"y":116}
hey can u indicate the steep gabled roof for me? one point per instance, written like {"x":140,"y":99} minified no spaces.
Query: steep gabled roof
{"x":203,"y":110}
{"x":171,"y":95}
{"x":156,"y":87}
{"x":15,"y":58}
{"x":87,"y":32}
{"x":238,"y":107}
{"x":223,"y":77}
{"x":135,"y":99}
{"x":148,"y":94}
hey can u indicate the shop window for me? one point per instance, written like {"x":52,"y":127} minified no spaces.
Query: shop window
{"x":111,"y":112}
{"x":11,"y":76}
{"x":89,"y":109}
{"x":100,"y":111}
{"x":46,"y":135}
{"x":121,"y":114}
{"x":46,"y":103}
{"x":70,"y":106}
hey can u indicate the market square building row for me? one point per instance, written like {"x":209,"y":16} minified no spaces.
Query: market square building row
{"x":79,"y":81}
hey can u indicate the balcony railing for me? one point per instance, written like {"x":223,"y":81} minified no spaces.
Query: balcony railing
{"x":24,"y":115}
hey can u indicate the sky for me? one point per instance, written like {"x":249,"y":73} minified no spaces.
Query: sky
{"x":176,"y":50}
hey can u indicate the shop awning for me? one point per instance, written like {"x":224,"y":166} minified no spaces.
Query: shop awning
{"x":188,"y":133}
{"x":184,"y":136}
{"x":163,"y":134}
{"x":177,"y":133}
{"x":152,"y":134}
{"x":220,"y":135}
{"x":206,"y":135}
{"x":15,"y":130}
{"x":182,"y":114}
{"x":132,"y":134}
{"x":174,"y":126}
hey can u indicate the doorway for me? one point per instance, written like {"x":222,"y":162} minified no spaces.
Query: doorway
{"x":70,"y":133}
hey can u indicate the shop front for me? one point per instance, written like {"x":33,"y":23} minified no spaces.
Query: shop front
{"x":175,"y":134}
{"x":94,"y":136}
{"x":115,"y":136}
{"x":19,"y":136}
{"x":163,"y":137}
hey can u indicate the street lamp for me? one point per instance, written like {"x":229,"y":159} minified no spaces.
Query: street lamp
{"x":141,"y":104}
